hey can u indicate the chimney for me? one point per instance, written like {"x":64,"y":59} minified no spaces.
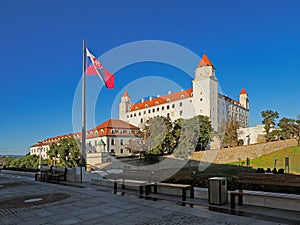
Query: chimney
{"x":150,"y":98}
{"x":143,"y":100}
{"x":158,"y":96}
{"x":169,"y":92}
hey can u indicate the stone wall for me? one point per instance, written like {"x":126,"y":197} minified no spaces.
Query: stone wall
{"x":232,"y":154}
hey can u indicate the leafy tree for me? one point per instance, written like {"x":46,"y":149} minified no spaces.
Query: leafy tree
{"x":269,"y":118}
{"x":67,"y":151}
{"x":231,"y":134}
{"x":288,"y":127}
{"x":275,"y":135}
{"x":298,"y":126}
{"x":191,"y":134}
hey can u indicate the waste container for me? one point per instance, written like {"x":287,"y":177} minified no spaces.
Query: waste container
{"x":217,"y":191}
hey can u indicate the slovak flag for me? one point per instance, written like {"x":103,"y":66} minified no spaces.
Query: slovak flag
{"x":94,"y":67}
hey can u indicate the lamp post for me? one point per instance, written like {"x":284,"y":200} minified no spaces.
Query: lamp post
{"x":40,"y":156}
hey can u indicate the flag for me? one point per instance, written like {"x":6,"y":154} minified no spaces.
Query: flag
{"x":94,"y":67}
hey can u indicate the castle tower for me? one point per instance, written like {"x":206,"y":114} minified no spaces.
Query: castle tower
{"x":244,"y":99}
{"x":124,"y":106}
{"x":205,"y":91}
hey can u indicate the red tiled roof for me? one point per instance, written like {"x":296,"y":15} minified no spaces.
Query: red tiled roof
{"x":163,"y":99}
{"x":205,"y":61}
{"x":107,"y":128}
{"x":126,"y":94}
{"x":243,"y":91}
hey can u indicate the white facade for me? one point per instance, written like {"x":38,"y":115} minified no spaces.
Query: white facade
{"x":202,"y":99}
{"x":112,"y":136}
{"x":250,"y":135}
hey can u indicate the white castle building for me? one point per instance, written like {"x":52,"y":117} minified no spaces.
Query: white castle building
{"x":202,"y":99}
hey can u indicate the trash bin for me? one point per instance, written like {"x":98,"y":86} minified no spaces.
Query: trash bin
{"x":217,"y":191}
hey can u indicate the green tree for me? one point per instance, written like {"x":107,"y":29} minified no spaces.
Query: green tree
{"x":298,"y":126}
{"x":231,"y":134}
{"x":289,"y":128}
{"x":190,"y":135}
{"x":67,"y":151}
{"x":269,"y":118}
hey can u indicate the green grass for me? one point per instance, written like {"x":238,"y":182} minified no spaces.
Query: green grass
{"x":267,"y":161}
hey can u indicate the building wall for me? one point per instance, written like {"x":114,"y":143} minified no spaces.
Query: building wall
{"x":250,"y":134}
{"x":34,"y":150}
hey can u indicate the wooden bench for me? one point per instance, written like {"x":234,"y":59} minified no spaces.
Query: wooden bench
{"x":43,"y":174}
{"x":125,"y":182}
{"x":183,"y":187}
{"x":58,"y":173}
{"x":283,"y":180}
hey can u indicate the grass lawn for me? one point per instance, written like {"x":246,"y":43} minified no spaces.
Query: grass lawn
{"x":267,"y":161}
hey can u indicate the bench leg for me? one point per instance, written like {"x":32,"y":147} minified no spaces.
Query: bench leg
{"x":240,"y":199}
{"x":232,"y":201}
{"x":123,"y":184}
{"x":183,"y":194}
{"x":141,"y":190}
{"x":115,"y":187}
{"x":192,"y":192}
{"x":155,"y":188}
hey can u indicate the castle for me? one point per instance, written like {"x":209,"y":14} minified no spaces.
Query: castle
{"x":202,"y":99}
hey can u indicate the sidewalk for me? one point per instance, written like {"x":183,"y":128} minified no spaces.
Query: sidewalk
{"x":48,"y":203}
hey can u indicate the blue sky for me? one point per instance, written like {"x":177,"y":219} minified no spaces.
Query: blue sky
{"x":253,"y":44}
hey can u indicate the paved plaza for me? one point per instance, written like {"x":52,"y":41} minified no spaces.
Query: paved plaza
{"x":25,"y":201}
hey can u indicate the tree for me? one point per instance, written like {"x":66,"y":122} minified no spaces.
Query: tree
{"x":231,"y":134}
{"x":298,"y":126}
{"x":67,"y":151}
{"x":269,"y":118}
{"x":190,"y":135}
{"x":289,"y":128}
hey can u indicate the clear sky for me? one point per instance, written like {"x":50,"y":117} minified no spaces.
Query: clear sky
{"x":253,"y":44}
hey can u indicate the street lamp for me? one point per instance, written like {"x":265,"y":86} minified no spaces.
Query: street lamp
{"x":40,"y":156}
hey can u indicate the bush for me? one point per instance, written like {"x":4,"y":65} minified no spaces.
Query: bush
{"x":281,"y":171}
{"x":274,"y":171}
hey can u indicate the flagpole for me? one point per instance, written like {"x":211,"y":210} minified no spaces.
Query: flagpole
{"x":83,"y":134}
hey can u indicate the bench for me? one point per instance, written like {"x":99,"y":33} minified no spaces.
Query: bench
{"x":283,"y":180}
{"x":43,"y":174}
{"x":58,"y":173}
{"x":126,"y":182}
{"x":183,"y":187}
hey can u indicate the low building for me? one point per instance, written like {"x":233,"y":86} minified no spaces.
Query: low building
{"x":252,"y":135}
{"x":112,"y":136}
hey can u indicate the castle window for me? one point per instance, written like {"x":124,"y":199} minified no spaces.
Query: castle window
{"x":142,"y":120}
{"x":130,"y":115}
{"x":156,"y":103}
{"x":140,"y":113}
{"x":91,"y":133}
{"x":145,"y":112}
{"x":127,"y":116}
{"x":163,"y":108}
{"x":129,"y":131}
{"x":121,"y":131}
{"x":136,"y":108}
{"x":149,"y":111}
{"x":95,"y":143}
{"x":146,"y":105}
{"x":192,"y":94}
{"x":168,"y":100}
{"x":134,"y":114}
{"x":102,"y":131}
{"x":113,"y":131}
{"x":173,"y":106}
{"x":201,"y":99}
{"x":182,"y":96}
{"x":96,"y":132}
{"x":121,"y":142}
{"x":157,"y":109}
{"x":112,"y":141}
{"x":180,"y":113}
{"x":121,"y":150}
{"x":153,"y":110}
{"x":180,"y":104}
{"x":168,"y":114}
{"x":168,"y":107}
